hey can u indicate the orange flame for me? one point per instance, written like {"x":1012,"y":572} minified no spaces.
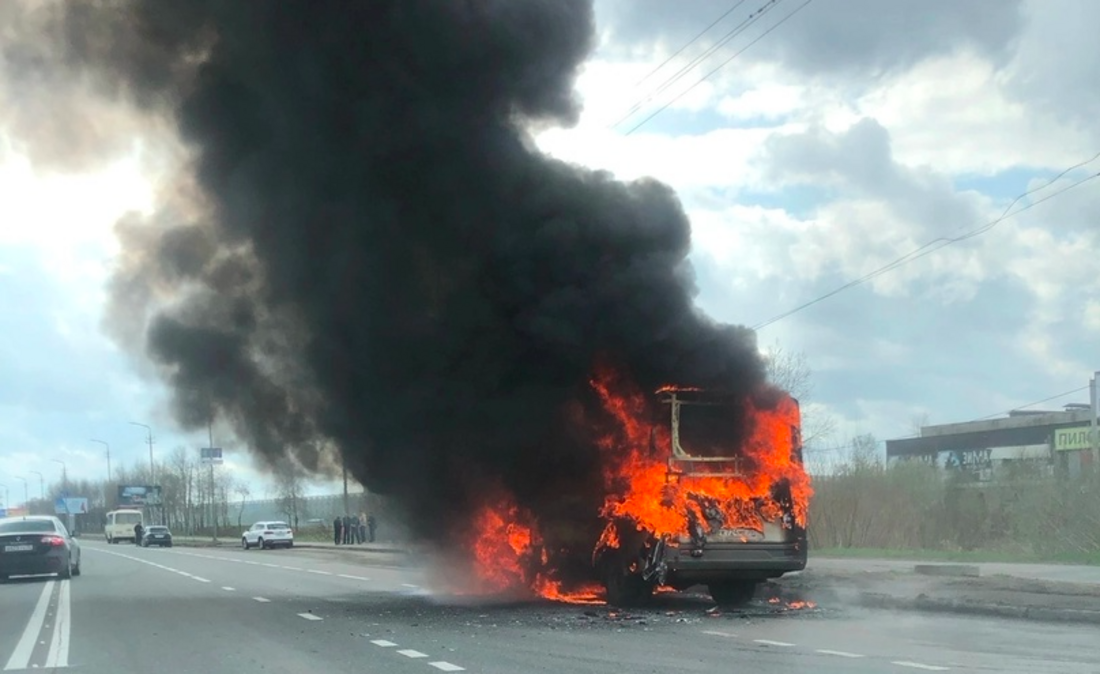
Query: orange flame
{"x":638,"y":474}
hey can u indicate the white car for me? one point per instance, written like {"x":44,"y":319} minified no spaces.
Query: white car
{"x":268,"y":535}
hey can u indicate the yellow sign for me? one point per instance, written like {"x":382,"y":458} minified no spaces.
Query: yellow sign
{"x":1073,"y":439}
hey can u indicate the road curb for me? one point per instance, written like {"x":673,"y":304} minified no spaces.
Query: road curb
{"x":227,"y":543}
{"x":928,"y":604}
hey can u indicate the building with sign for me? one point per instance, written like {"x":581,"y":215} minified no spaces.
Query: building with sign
{"x":1023,"y":443}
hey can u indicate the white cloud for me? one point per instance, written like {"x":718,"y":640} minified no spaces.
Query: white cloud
{"x":954,"y":113}
{"x":1092,"y":315}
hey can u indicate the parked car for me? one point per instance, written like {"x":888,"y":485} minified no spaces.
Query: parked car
{"x":268,"y":535}
{"x":37,"y":544}
{"x":156,"y":534}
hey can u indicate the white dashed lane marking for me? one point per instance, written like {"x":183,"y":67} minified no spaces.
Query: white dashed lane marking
{"x":835,"y":653}
{"x":917,"y":665}
{"x":319,"y":573}
{"x":310,"y":616}
{"x":841,"y":654}
{"x":262,"y":600}
{"x":152,"y":564}
{"x":229,"y":589}
{"x":351,"y":577}
{"x":441,"y":665}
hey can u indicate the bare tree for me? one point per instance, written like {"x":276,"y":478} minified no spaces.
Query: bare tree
{"x":289,"y":486}
{"x":790,"y":371}
{"x":241,"y":489}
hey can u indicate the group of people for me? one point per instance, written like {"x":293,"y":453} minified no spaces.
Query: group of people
{"x":354,"y":529}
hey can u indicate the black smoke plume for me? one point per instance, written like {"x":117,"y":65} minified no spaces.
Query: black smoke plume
{"x":383,"y":263}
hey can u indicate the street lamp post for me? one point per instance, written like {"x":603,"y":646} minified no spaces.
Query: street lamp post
{"x":41,"y":484}
{"x":26,"y":498}
{"x":108,"y":447}
{"x":149,"y":436}
{"x":7,"y":496}
{"x":64,"y":474}
{"x":108,"y":486}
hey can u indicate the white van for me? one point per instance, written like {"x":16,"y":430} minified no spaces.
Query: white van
{"x":120,"y":525}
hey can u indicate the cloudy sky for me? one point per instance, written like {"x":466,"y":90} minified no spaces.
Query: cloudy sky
{"x":830,"y":139}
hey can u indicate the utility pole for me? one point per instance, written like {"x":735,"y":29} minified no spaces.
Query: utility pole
{"x":1094,"y":398}
{"x":213,"y":496}
{"x":152,"y":466}
{"x":344,"y":463}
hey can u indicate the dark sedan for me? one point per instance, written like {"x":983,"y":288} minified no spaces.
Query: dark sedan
{"x":156,"y":534}
{"x":35,"y":545}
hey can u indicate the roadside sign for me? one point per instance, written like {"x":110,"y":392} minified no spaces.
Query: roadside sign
{"x":138,"y":495}
{"x":70,"y":506}
{"x":210,"y":455}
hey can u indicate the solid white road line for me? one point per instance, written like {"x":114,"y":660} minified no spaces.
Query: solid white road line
{"x":410,"y":653}
{"x":201,"y":580}
{"x":23,"y":650}
{"x":446,"y":666}
{"x":310,"y":616}
{"x":769,"y":642}
{"x":58,"y":655}
{"x":917,"y":665}
{"x":262,"y":600}
{"x":842,"y":654}
{"x":383,"y":643}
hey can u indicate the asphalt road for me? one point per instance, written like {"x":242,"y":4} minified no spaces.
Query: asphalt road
{"x":223,"y":610}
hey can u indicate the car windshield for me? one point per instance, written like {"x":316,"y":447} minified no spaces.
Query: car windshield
{"x":26,"y":526}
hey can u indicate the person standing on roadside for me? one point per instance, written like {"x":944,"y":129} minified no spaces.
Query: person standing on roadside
{"x":138,"y":532}
{"x":337,"y":530}
{"x":362,"y":527}
{"x":355,"y":540}
{"x":371,"y":524}
{"x":347,"y":530}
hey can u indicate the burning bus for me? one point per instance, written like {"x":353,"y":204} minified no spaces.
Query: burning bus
{"x":700,"y":488}
{"x":719,"y":510}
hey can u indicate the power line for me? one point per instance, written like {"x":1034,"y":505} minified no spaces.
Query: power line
{"x":1037,"y":402}
{"x":691,"y":41}
{"x":684,"y":70}
{"x":942,"y":242}
{"x":721,"y":65}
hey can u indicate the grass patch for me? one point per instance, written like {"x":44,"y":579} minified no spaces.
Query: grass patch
{"x":972,"y":556}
